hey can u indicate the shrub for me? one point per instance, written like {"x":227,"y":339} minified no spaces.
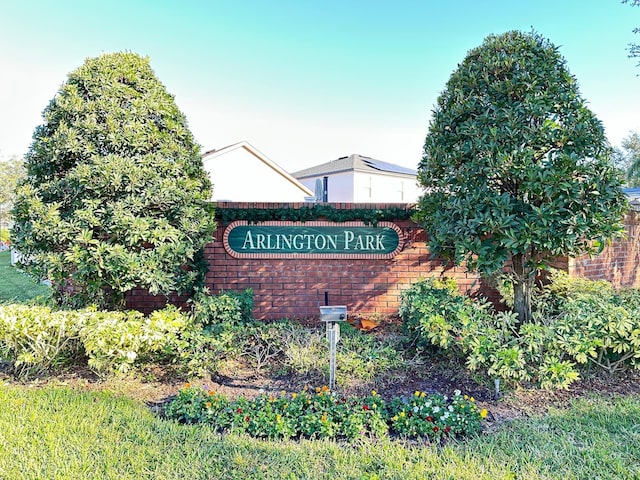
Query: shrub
{"x":115,"y":193}
{"x":226,"y":307}
{"x":576,"y":322}
{"x":115,"y":341}
{"x":494,"y":343}
{"x":36,"y":338}
{"x":594,"y":323}
{"x":363,"y":356}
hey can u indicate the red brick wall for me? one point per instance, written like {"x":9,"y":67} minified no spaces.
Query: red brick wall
{"x":618,"y":263}
{"x":295,"y":287}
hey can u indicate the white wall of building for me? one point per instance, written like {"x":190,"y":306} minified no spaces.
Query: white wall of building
{"x":239,"y":176}
{"x":364,"y":187}
{"x":382,"y":188}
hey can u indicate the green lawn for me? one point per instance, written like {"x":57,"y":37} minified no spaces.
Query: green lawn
{"x":16,"y":286}
{"x":58,"y":433}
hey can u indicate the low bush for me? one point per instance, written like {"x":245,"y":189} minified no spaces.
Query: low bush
{"x":576,"y":322}
{"x":115,"y":341}
{"x":35,"y":338}
{"x":324,"y":414}
{"x":226,"y":307}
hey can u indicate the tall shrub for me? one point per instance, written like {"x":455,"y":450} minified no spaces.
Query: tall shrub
{"x":115,"y":191}
{"x":516,"y":168}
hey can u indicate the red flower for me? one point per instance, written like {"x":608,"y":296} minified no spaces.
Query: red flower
{"x":365,"y":407}
{"x":429,"y":418}
{"x":246,"y":419}
{"x":239,"y":410}
{"x":447,"y":429}
{"x":435,"y":429}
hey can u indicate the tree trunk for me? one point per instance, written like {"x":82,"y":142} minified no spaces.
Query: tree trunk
{"x":523,"y":283}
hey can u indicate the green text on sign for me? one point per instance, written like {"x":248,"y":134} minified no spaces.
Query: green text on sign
{"x":304,"y":239}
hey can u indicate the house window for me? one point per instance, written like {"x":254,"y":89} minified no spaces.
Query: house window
{"x":370,"y":188}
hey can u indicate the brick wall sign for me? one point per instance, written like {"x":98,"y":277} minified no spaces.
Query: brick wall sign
{"x":318,"y":239}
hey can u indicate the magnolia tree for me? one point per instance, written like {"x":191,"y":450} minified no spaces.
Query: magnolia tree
{"x":115,"y":191}
{"x":516,"y":168}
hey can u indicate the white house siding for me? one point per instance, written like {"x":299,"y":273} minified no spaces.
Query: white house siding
{"x":382,"y":188}
{"x":340,"y":186}
{"x":239,"y":176}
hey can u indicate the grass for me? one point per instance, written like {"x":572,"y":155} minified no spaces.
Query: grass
{"x":15,"y":286}
{"x":54,"y":432}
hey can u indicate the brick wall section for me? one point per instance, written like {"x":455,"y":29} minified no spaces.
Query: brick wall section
{"x":618,"y":263}
{"x":294,"y":288}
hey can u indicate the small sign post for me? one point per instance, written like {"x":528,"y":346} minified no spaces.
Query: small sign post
{"x":333,"y":315}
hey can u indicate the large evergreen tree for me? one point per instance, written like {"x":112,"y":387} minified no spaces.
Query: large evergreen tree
{"x":115,"y":191}
{"x":516,"y":168}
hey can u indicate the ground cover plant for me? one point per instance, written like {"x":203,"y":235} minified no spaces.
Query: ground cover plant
{"x":326,"y":414}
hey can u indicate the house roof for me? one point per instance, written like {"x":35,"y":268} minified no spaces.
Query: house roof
{"x":354,"y":162}
{"x":634,"y":197}
{"x":260,"y":156}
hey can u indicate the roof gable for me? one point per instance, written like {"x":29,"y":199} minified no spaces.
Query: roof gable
{"x":211,"y":154}
{"x":355,"y":163}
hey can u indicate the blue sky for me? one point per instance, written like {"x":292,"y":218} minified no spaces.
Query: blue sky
{"x":306,"y":81}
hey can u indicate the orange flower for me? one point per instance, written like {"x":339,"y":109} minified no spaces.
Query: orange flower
{"x":187,"y":385}
{"x":323,"y":419}
{"x":208,"y":404}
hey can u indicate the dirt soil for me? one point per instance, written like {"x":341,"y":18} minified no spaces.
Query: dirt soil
{"x":157,"y":386}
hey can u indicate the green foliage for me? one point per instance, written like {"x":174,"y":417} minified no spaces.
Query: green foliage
{"x":324,"y":414}
{"x":115,"y":341}
{"x":11,"y":172}
{"x":435,"y":415}
{"x":115,"y":191}
{"x":370,"y":216}
{"x":515,"y":166}
{"x":575,"y":322}
{"x":363,"y":356}
{"x":631,"y":158}
{"x":360,"y":356}
{"x":35,"y":338}
{"x":226,"y":307}
{"x":634,"y":48}
{"x":594,"y":323}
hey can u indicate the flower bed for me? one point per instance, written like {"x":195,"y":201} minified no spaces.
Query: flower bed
{"x":324,"y":414}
